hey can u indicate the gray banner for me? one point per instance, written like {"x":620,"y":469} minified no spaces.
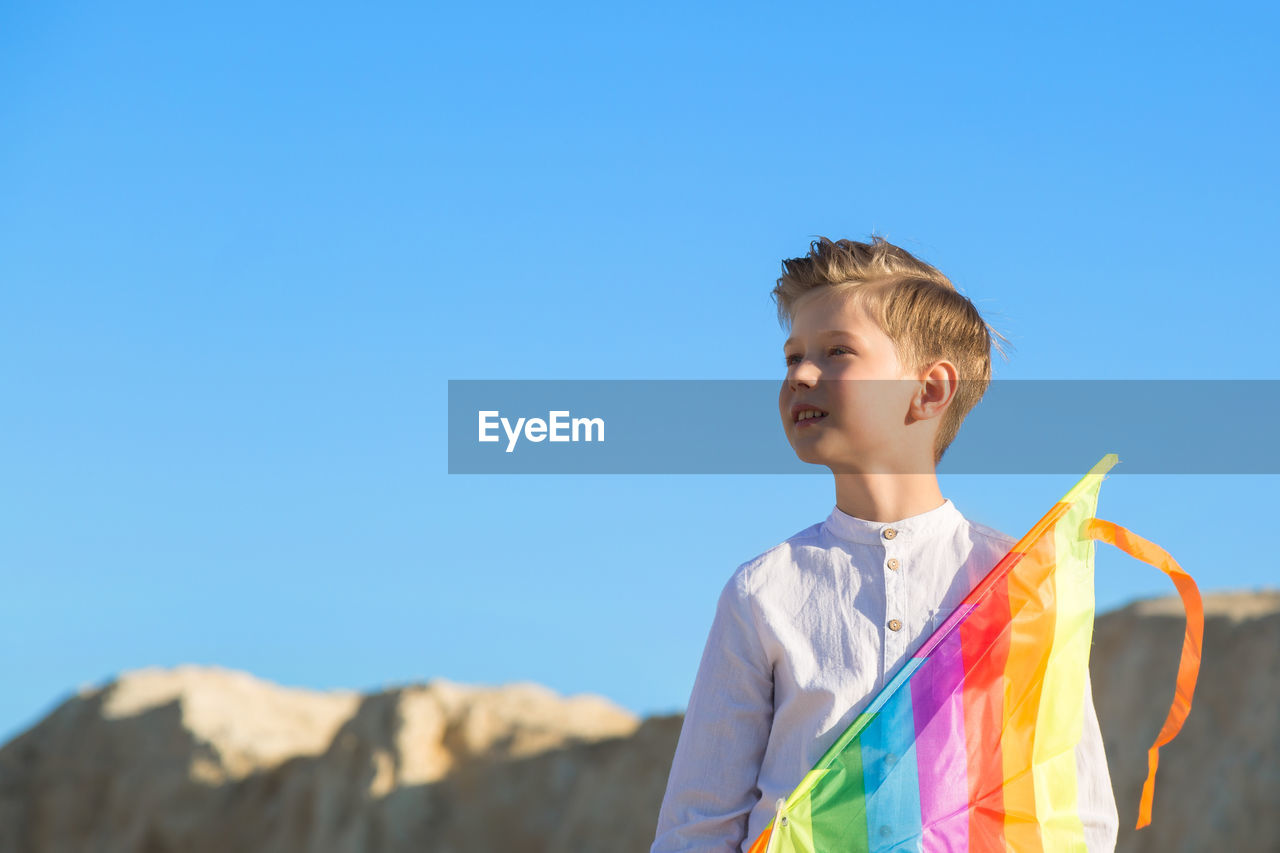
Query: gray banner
{"x":734,"y":427}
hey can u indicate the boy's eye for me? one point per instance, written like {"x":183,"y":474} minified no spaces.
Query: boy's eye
{"x":794,"y":359}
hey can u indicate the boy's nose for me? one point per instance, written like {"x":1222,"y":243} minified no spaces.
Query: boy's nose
{"x":803,"y":374}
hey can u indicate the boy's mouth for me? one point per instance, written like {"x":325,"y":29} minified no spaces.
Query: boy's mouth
{"x":806,"y":414}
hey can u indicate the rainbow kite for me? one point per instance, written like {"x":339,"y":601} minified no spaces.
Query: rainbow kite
{"x":971,"y":745}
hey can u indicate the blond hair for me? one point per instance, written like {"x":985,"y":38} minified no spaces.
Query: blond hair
{"x":916,"y":306}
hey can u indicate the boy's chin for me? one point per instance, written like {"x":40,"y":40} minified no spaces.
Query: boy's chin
{"x":812,"y":456}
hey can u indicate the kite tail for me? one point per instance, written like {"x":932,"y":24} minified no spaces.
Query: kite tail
{"x":1189,"y":665}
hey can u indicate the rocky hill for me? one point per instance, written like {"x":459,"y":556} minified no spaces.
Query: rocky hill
{"x":203,"y":759}
{"x":1218,"y":786}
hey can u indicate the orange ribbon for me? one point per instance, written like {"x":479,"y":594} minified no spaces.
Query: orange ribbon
{"x":1189,"y":665}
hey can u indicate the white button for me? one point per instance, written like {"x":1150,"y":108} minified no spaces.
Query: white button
{"x":889,"y":533}
{"x":885,"y":832}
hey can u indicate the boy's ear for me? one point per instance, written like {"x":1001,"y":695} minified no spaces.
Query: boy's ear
{"x":938,"y":383}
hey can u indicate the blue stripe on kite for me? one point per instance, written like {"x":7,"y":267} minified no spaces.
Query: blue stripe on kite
{"x":889,"y":773}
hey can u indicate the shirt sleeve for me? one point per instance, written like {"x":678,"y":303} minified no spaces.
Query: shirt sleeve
{"x":712,"y":787}
{"x":1095,"y":795}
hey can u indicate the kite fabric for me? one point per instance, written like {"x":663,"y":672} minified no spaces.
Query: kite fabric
{"x":971,"y":744}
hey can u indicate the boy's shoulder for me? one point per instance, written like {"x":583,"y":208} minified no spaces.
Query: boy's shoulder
{"x":753,"y":574}
{"x":991,"y":534}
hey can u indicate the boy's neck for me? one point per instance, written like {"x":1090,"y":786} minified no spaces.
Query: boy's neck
{"x":887,"y":497}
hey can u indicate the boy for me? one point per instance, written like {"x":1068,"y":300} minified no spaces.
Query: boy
{"x":884,"y":361}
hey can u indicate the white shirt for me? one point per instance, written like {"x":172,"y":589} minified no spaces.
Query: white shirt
{"x":804,"y":636}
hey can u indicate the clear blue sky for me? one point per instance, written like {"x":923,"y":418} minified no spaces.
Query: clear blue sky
{"x":244,"y":247}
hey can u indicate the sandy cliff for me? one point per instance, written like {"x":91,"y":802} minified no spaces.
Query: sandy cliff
{"x":203,"y":759}
{"x":1218,"y":785}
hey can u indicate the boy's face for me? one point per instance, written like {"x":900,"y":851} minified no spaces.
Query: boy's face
{"x":841,"y":363}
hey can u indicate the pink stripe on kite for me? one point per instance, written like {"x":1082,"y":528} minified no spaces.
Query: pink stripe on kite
{"x":938,"y":707}
{"x":958,"y":615}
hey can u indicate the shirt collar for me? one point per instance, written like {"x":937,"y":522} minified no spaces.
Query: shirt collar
{"x":926,"y":524}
